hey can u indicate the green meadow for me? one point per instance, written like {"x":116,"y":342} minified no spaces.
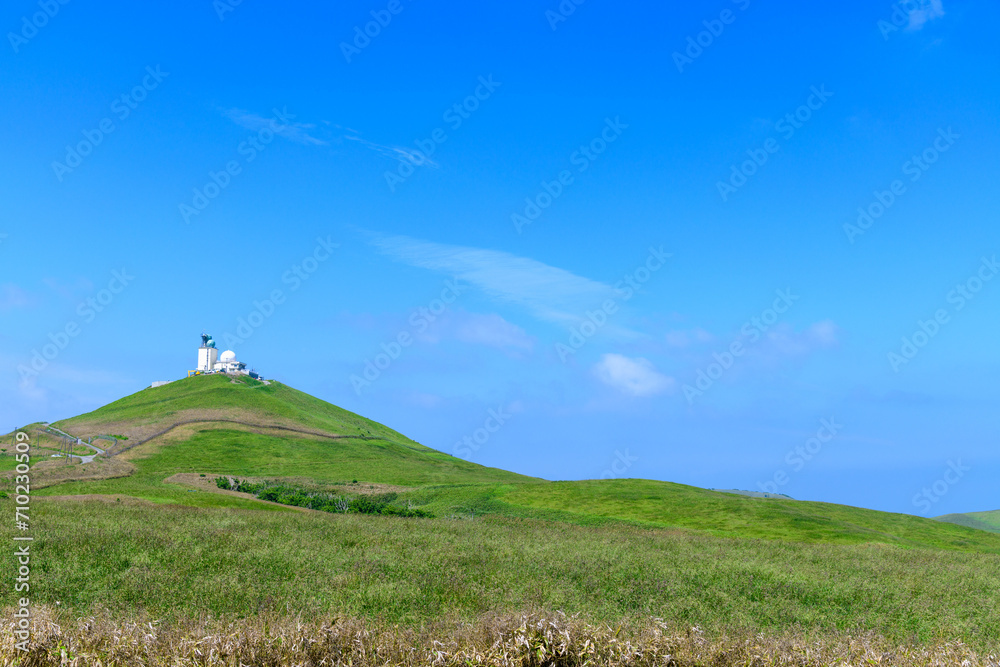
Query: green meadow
{"x":499,"y":542}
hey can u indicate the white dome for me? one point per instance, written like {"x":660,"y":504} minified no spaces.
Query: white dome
{"x":228,"y":355}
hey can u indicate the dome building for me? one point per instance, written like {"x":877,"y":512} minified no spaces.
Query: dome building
{"x":227,"y":363}
{"x":210,"y":361}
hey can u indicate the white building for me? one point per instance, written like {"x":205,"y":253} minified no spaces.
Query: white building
{"x":227,"y":364}
{"x":210,"y":361}
{"x":208,"y":355}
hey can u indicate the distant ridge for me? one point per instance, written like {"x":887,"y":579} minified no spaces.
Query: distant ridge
{"x":754,"y":494}
{"x":988,"y":521}
{"x":207,"y":426}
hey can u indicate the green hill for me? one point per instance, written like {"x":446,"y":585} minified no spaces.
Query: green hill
{"x":146,"y":530}
{"x":656,"y":504}
{"x":211,"y":426}
{"x":988,"y":521}
{"x":217,"y":397}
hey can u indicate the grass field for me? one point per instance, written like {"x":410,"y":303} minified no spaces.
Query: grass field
{"x":612,"y":551}
{"x":989,"y":521}
{"x":248,"y":399}
{"x":9,"y":462}
{"x":446,"y":486}
{"x":173,"y":561}
{"x":506,"y":640}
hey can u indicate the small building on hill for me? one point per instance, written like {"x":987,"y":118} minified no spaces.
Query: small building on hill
{"x":210,"y":361}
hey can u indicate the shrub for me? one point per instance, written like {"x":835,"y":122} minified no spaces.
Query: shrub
{"x":269,"y":494}
{"x":286,"y":494}
{"x":296,"y":499}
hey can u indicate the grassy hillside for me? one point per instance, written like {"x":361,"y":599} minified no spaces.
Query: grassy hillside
{"x":657,"y":504}
{"x":222,"y":428}
{"x":231,"y":451}
{"x":445,"y":485}
{"x":611,"y":550}
{"x":217,"y":396}
{"x":188,"y":561}
{"x":988,"y":521}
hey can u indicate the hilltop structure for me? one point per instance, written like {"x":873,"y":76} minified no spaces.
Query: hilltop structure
{"x":210,"y":361}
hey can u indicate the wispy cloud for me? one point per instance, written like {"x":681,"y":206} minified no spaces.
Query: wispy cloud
{"x":400,"y":153}
{"x":550,"y":293}
{"x":60,"y":375}
{"x":493,"y":331}
{"x":12,"y":296}
{"x":680,"y":338}
{"x":636,"y":377}
{"x":783,"y":340}
{"x":324,"y":135}
{"x":298,"y":132}
{"x":926,"y":10}
{"x":71,"y":291}
{"x":422,"y":400}
{"x":29,"y":390}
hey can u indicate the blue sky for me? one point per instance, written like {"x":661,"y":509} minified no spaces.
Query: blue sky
{"x":682,"y":243}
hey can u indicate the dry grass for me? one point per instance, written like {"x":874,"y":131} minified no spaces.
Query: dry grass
{"x":230,"y":418}
{"x":97,"y":498}
{"x":521,"y":640}
{"x":84,"y":427}
{"x":49,"y":473}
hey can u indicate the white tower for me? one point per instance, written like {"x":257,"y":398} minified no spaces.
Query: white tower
{"x":207,"y":354}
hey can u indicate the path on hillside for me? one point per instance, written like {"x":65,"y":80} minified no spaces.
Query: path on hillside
{"x":50,"y":427}
{"x":87,"y":459}
{"x":83,"y":459}
{"x":320,"y":434}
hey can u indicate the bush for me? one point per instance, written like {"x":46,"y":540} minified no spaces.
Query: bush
{"x":296,"y":499}
{"x":365,"y":505}
{"x":286,"y":494}
{"x":269,"y":494}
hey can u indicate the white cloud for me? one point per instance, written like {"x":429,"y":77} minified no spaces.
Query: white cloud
{"x":400,"y":153}
{"x":785,"y":341}
{"x":29,"y":389}
{"x":680,"y":338}
{"x":494,"y":331}
{"x":71,"y":291}
{"x":422,"y":400}
{"x":632,"y":376}
{"x":305,"y":133}
{"x":12,"y":296}
{"x":551,"y":293}
{"x":824,"y":333}
{"x":297,"y":132}
{"x":926,"y":10}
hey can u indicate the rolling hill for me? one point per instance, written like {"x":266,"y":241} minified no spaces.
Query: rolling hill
{"x":988,"y":521}
{"x":211,"y":426}
{"x":147,"y":531}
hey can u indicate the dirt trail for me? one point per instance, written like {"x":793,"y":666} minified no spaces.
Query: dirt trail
{"x":278,"y":427}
